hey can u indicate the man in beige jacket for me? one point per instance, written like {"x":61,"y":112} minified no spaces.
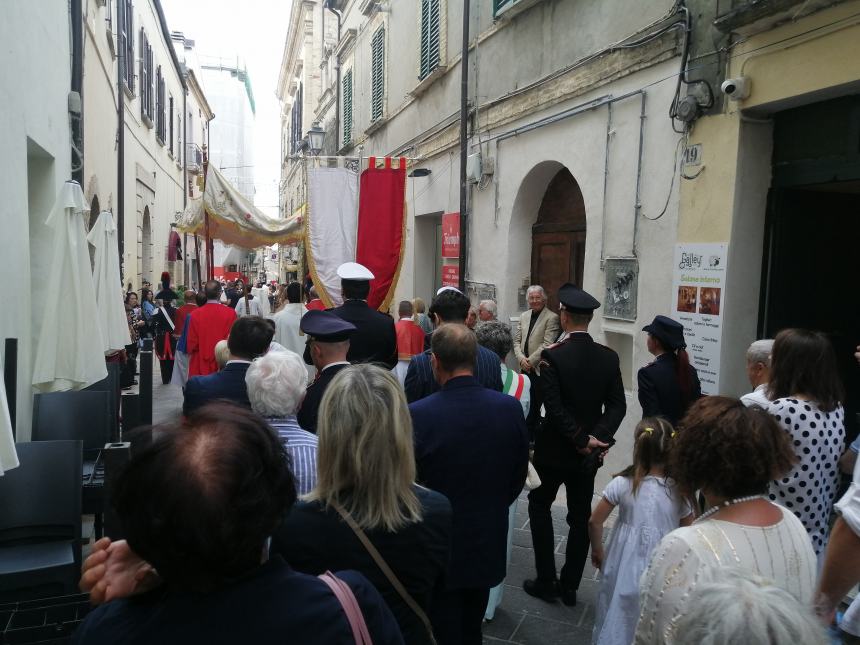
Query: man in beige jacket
{"x":539,"y":328}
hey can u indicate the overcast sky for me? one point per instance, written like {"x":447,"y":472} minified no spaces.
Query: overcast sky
{"x":255,"y":31}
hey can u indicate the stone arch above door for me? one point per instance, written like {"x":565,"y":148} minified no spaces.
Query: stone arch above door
{"x":558,"y":236}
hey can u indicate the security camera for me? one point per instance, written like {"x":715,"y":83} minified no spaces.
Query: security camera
{"x":737,"y":89}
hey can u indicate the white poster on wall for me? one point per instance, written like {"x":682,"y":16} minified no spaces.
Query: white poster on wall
{"x":698,"y":300}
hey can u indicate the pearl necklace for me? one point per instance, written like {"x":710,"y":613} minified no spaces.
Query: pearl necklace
{"x":729,"y":502}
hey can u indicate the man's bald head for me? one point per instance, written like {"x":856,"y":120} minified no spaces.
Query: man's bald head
{"x":455,"y":347}
{"x":201,"y":500}
{"x":189,"y":296}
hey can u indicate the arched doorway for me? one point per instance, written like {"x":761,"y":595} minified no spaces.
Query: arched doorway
{"x":146,"y":247}
{"x":558,"y":237}
{"x":94,"y":215}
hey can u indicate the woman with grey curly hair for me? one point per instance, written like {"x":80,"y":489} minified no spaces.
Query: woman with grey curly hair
{"x":736,"y":607}
{"x":496,"y":336}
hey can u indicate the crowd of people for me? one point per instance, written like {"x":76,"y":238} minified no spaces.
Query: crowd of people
{"x":345,"y":476}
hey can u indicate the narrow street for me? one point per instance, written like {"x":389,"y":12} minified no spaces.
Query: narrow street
{"x":614,"y":247}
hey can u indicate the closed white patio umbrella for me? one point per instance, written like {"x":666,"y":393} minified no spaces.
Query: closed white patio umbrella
{"x":8,"y":456}
{"x":108,"y":284}
{"x":70,"y":349}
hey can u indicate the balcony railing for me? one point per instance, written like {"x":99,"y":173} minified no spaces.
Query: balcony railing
{"x":193,"y":158}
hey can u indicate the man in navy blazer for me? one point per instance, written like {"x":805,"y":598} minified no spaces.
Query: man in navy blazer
{"x":250,"y":337}
{"x":449,"y":306}
{"x":471,"y":445}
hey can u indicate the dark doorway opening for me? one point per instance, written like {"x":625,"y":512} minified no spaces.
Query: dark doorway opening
{"x":811,"y":267}
{"x":558,"y":237}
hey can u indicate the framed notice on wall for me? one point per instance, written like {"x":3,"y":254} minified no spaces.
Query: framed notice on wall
{"x":451,"y":235}
{"x":698,"y":303}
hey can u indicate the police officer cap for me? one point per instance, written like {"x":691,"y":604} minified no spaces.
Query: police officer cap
{"x":354,"y":271}
{"x":575,"y":300}
{"x":325,"y":327}
{"x":669,"y":332}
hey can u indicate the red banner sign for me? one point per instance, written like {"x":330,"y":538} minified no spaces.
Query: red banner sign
{"x":451,"y":235}
{"x":451,"y":275}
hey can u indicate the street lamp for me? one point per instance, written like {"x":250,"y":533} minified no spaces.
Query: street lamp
{"x":315,"y":138}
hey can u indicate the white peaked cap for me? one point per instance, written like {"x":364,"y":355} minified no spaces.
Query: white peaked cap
{"x":354,"y":271}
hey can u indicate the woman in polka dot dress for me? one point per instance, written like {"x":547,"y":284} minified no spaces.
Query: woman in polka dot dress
{"x":805,"y":393}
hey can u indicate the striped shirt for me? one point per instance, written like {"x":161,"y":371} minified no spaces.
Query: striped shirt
{"x":301,"y":445}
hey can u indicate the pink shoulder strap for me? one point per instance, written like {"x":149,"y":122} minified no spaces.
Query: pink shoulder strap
{"x":350,"y":606}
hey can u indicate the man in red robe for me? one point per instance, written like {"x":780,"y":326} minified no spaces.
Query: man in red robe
{"x":410,"y":339}
{"x":182,"y":312}
{"x":206,"y":326}
{"x":314,"y":302}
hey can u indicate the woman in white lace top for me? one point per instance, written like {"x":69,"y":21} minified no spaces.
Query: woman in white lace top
{"x":731,"y":453}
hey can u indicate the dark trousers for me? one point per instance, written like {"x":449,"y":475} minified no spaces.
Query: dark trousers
{"x":579,"y":485}
{"x":457,"y":615}
{"x":536,"y":398}
{"x":126,"y":376}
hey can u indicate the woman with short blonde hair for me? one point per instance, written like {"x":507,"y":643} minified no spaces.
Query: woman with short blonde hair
{"x":366,"y":476}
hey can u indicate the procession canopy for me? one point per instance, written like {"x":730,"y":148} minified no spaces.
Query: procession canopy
{"x":233,"y":219}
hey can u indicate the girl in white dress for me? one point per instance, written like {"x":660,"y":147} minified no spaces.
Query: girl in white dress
{"x":649,"y":507}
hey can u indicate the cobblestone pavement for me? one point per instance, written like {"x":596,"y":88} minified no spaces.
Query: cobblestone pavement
{"x":520,"y":618}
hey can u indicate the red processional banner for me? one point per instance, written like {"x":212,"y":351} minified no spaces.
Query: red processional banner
{"x":381,"y":224}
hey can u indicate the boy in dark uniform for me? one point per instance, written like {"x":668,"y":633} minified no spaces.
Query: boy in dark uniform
{"x":585,"y":404}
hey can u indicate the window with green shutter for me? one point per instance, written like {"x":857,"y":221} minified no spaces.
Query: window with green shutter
{"x":347,"y":108}
{"x":498,"y":5}
{"x":430,"y":25}
{"x":377,"y":74}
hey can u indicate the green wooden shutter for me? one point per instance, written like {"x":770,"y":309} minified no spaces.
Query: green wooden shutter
{"x":430,"y":26}
{"x":498,"y":5}
{"x":143,"y":71}
{"x":377,"y":74}
{"x":347,"y":108}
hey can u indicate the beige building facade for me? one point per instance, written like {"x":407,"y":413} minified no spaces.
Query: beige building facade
{"x":780,"y":183}
{"x":141,"y":161}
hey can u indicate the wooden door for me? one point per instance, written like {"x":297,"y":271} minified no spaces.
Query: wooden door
{"x":558,"y":237}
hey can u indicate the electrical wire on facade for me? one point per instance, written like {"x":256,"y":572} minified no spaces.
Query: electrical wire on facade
{"x":665,"y":208}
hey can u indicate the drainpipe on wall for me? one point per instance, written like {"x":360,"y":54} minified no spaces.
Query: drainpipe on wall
{"x":184,"y":156}
{"x":337,"y":87}
{"x":120,"y":157}
{"x":464,"y":150}
{"x":77,"y":130}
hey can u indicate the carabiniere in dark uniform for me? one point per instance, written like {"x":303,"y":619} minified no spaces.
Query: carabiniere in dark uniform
{"x":585,"y":404}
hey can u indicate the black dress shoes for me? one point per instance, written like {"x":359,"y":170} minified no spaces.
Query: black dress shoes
{"x":548,"y":592}
{"x":568,"y":596}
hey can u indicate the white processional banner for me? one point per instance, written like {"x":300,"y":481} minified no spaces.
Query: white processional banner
{"x":332,"y":227}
